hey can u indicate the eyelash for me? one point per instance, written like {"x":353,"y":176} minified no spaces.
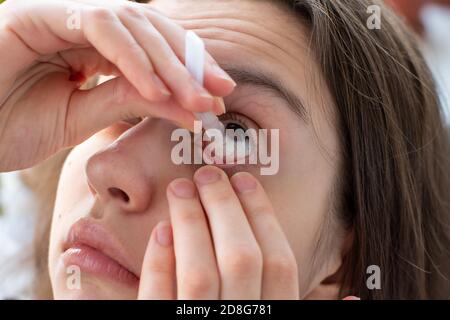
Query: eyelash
{"x":226,"y":119}
{"x":238,"y":118}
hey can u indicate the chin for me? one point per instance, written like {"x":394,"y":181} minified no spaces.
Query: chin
{"x":95,"y":291}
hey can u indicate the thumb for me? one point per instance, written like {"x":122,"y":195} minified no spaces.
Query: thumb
{"x":90,"y":111}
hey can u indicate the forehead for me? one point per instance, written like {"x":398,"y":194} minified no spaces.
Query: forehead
{"x":261,"y":31}
{"x":260,"y":35}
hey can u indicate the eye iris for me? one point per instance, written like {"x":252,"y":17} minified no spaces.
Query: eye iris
{"x":239,"y":131}
{"x":233,"y":126}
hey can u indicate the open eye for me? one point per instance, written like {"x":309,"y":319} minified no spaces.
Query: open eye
{"x":234,"y":126}
{"x":237,"y":126}
{"x":238,"y":143}
{"x":235,"y":121}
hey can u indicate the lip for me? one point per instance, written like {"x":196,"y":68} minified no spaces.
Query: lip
{"x":95,"y":250}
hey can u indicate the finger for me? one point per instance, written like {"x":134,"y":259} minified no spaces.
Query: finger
{"x":197,"y":274}
{"x":217,"y":81}
{"x":89,"y":62}
{"x":119,"y":47}
{"x":158,"y":280}
{"x":238,"y":255}
{"x":122,"y":50}
{"x":280,"y":276}
{"x":90,"y":111}
{"x":351,"y":298}
{"x":187,"y":91}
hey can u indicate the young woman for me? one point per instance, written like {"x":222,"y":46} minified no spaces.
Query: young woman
{"x":363,"y":179}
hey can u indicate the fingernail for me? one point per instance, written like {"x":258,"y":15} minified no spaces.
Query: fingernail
{"x":183,"y":189}
{"x":186,"y":123}
{"x":220,"y":73}
{"x":77,"y":77}
{"x":219,"y":106}
{"x":160,"y":85}
{"x":351,"y":298}
{"x":164,"y":234}
{"x":207,"y":175}
{"x":243,"y":183}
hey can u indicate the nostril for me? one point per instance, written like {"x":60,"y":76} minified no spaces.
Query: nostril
{"x":119,"y":194}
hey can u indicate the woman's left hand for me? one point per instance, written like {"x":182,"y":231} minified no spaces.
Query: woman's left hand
{"x":223,"y":242}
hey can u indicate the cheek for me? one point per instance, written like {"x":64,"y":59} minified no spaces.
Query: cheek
{"x":73,"y":198}
{"x":73,"y":186}
{"x":301,"y":214}
{"x":301,"y":196}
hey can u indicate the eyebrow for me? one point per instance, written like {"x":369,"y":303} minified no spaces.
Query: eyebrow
{"x":268,"y":81}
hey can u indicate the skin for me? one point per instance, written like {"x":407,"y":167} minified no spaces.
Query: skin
{"x":299,"y":195}
{"x":45,"y":52}
{"x":220,"y":243}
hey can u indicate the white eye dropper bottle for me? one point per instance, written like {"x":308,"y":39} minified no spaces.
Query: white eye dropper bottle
{"x":195,"y":63}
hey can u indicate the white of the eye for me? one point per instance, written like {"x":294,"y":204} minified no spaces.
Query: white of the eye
{"x":235,"y":145}
{"x":233,"y":148}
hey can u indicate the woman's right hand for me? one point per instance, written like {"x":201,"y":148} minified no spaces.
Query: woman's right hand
{"x":45,"y":55}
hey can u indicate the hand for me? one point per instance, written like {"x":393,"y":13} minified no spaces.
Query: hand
{"x":43,"y":62}
{"x":227,"y":243}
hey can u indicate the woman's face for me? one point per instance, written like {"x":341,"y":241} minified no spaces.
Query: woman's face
{"x":116,"y":181}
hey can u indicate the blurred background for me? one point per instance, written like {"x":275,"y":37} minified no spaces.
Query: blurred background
{"x":18,"y":205}
{"x":431,"y":20}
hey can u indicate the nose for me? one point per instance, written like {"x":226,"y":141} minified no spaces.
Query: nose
{"x":115,"y":177}
{"x":133,"y":171}
{"x":127,"y":172}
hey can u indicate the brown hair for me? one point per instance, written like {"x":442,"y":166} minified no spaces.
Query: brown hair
{"x":395,"y":149}
{"x":395,"y":174}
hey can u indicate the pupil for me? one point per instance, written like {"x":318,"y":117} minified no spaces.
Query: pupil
{"x":233,"y":126}
{"x":236,"y":127}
